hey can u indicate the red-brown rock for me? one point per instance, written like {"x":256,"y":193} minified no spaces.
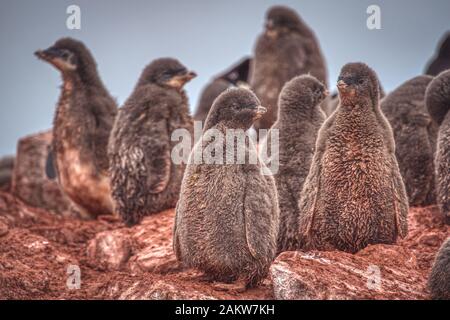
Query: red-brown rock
{"x":138,"y":263}
{"x":377,"y":272}
{"x":109,"y":250}
{"x":29,"y":181}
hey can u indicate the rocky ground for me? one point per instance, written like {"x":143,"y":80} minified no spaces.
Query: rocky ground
{"x":39,"y":248}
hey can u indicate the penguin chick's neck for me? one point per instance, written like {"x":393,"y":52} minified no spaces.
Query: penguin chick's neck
{"x":356,"y":116}
{"x":89,"y":81}
{"x":358,"y":102}
{"x":297,"y":109}
{"x":223,"y":126}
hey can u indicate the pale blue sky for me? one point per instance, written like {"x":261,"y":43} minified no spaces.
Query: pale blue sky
{"x":207,"y":36}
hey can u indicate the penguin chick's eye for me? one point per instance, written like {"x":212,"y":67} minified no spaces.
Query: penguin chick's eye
{"x":361,"y":81}
{"x":65,"y":54}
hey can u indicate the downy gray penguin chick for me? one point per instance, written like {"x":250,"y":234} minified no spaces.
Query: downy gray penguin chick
{"x":226,"y":221}
{"x":83,"y":120}
{"x":439,"y":279}
{"x":144,"y":179}
{"x":299,"y":120}
{"x":415,"y":138}
{"x":287,"y":48}
{"x":354,"y":194}
{"x":438,"y":104}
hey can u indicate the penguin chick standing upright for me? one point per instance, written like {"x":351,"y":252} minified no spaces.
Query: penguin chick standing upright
{"x":439,"y":279}
{"x":354,"y":194}
{"x":144,"y":179}
{"x":234,"y":76}
{"x":82,"y":124}
{"x":227,"y":217}
{"x":287,"y":48}
{"x":438,"y":104}
{"x":415,"y":138}
{"x":299,"y":120}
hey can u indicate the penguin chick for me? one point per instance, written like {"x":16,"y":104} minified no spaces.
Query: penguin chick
{"x":354,"y":194}
{"x":83,"y":120}
{"x":234,"y":76}
{"x":287,"y":48}
{"x":438,"y":104}
{"x":439,"y":279}
{"x":415,"y":137}
{"x":441,"y":61}
{"x":299,"y":119}
{"x":227,"y":217}
{"x":144,"y":179}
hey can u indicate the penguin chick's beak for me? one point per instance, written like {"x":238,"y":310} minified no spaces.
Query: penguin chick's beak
{"x":271,"y":32}
{"x":341,"y":85}
{"x":260,"y":110}
{"x":55,"y":57}
{"x":48,"y":54}
{"x":179,"y":81}
{"x":270,"y":25}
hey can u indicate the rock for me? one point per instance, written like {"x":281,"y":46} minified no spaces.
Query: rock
{"x":29,"y":181}
{"x":13,"y":212}
{"x":3,"y":228}
{"x":40,"y":249}
{"x":162,"y":290}
{"x":109,"y":250}
{"x":377,"y":272}
{"x":155,"y":259}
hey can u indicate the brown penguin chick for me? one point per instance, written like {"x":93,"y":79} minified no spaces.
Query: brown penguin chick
{"x":82,"y":124}
{"x":144,"y":179}
{"x":287,"y":48}
{"x":438,"y":104}
{"x":439,"y":279}
{"x":441,"y":61}
{"x":299,"y":120}
{"x":226,"y":221}
{"x":235,"y":75}
{"x":415,"y":138}
{"x":354,"y":194}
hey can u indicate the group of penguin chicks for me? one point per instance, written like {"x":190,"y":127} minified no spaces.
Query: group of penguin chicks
{"x":340,"y":183}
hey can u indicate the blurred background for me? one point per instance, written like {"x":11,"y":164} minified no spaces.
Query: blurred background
{"x":206,"y":36}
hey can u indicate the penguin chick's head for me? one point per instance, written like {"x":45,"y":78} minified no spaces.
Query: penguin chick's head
{"x":302,"y":91}
{"x":166,"y":72}
{"x":358,"y":84}
{"x":67,"y":55}
{"x":235,"y":108}
{"x":437,"y":97}
{"x":281,"y":19}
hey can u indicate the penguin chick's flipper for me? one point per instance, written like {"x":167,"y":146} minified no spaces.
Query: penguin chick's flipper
{"x":307,"y":204}
{"x":401,"y":205}
{"x":257,"y":210}
{"x":50,"y":169}
{"x":157,"y":158}
{"x":176,"y":240}
{"x":311,"y":187}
